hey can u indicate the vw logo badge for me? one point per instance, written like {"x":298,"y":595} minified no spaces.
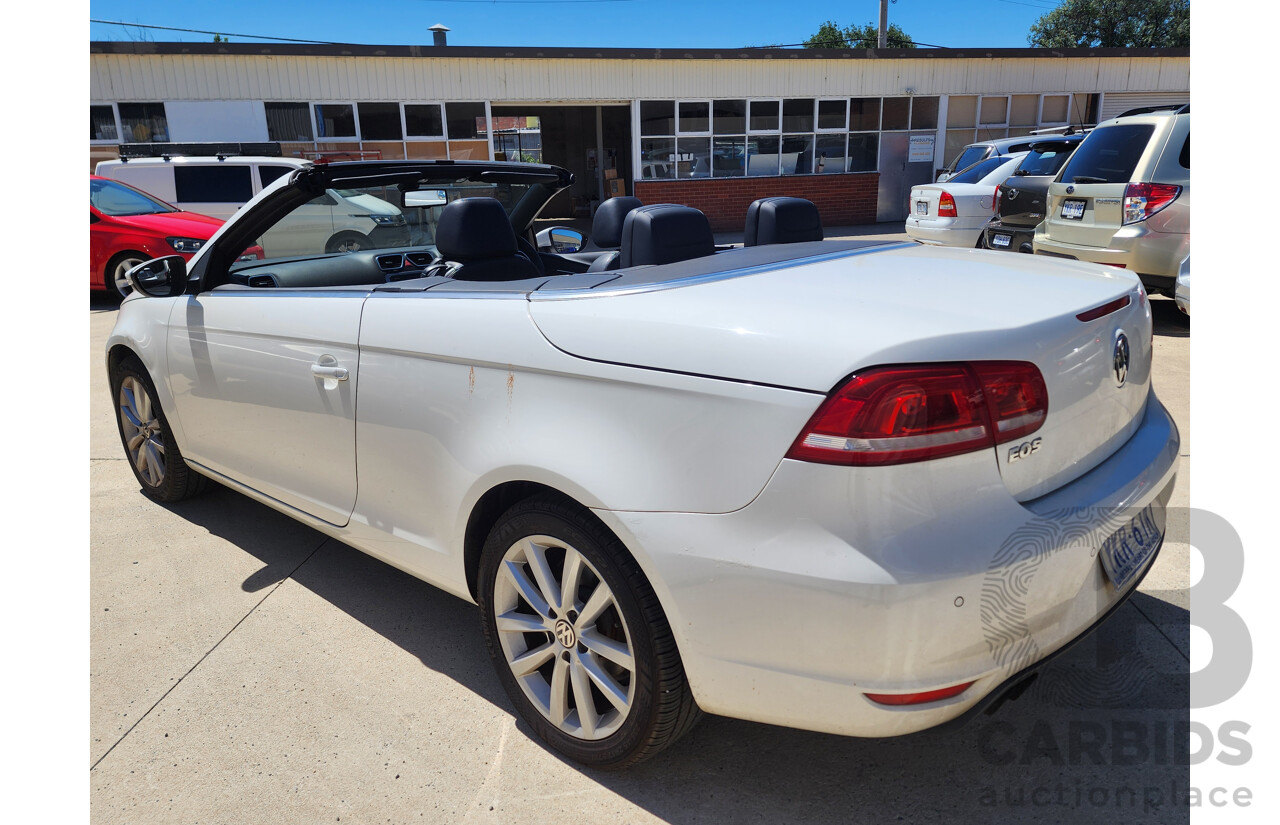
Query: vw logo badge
{"x":565,"y":635}
{"x":1071,"y":190}
{"x":1120,"y":359}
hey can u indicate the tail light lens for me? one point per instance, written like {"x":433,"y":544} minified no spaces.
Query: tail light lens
{"x":995,"y":199}
{"x":946,"y":206}
{"x":902,"y":414}
{"x":1142,"y":200}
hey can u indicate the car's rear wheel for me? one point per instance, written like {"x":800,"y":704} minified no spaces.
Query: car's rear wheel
{"x":117,"y":268}
{"x":148,"y":442}
{"x":578,"y":638}
{"x":347,"y":242}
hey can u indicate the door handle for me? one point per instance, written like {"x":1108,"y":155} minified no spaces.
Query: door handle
{"x":327,"y":367}
{"x":340,"y":373}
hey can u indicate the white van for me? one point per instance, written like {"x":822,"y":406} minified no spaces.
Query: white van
{"x":217,"y":186}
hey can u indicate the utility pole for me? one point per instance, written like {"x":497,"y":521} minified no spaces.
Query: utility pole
{"x":884,"y":24}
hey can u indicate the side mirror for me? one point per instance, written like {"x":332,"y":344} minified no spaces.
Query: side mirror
{"x":561,"y":239}
{"x":160,"y":277}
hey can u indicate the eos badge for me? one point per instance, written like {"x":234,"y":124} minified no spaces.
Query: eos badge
{"x":1024,"y":449}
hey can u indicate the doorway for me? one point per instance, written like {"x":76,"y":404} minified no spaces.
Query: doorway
{"x":586,"y":140}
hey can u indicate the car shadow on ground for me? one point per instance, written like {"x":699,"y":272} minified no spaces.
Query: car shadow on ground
{"x":1096,"y":737}
{"x":1169,"y":321}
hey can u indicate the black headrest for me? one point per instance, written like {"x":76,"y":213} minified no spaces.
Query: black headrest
{"x":664,"y":233}
{"x":474,"y":228}
{"x":606,"y":229}
{"x":781,"y":220}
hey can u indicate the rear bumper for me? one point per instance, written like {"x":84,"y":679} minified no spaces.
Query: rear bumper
{"x":1018,"y":236}
{"x":835,"y":583}
{"x":1154,"y":256}
{"x":962,"y":232}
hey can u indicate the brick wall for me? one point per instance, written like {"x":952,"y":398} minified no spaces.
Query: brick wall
{"x":842,"y":200}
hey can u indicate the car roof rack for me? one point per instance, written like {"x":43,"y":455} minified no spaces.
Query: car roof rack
{"x":131,"y":151}
{"x":1176,"y":108}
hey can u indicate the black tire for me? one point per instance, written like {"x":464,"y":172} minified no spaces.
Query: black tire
{"x":348,"y":242}
{"x":125,"y":260}
{"x":156,"y":462}
{"x":662,"y":708}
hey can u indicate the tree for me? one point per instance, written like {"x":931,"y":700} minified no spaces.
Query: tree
{"x":217,"y":38}
{"x":1114,"y":23}
{"x":831,"y":36}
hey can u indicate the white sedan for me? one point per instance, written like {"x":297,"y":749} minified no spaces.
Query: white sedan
{"x":955,"y":213}
{"x":764,"y":482}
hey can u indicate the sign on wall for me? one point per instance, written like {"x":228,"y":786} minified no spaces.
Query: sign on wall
{"x":921,"y":149}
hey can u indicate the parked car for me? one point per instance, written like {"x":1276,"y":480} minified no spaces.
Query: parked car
{"x":1182,"y":288}
{"x":128,"y":227}
{"x":1124,"y":198}
{"x":984,"y":149}
{"x":846,"y":486}
{"x":1020,"y":199}
{"x":955,"y":213}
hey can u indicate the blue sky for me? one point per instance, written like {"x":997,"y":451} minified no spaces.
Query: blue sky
{"x":569,"y":23}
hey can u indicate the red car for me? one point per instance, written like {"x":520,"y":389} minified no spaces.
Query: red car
{"x":127,"y":226}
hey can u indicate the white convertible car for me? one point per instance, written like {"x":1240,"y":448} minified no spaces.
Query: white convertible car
{"x":842,"y":486}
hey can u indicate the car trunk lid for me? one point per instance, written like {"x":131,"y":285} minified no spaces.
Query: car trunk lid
{"x":809,"y":324}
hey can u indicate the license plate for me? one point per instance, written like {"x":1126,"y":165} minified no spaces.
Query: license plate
{"x":1000,"y":240}
{"x":922,"y":207}
{"x":1127,"y":550}
{"x":1073,"y":210}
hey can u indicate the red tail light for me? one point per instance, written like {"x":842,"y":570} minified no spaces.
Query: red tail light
{"x":946,"y":206}
{"x":897,"y":415}
{"x":1142,"y":200}
{"x":918,"y":698}
{"x":995,"y":199}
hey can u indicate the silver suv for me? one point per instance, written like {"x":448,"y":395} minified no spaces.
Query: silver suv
{"x":1124,"y":198}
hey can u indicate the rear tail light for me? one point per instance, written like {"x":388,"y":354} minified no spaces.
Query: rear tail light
{"x":946,"y":206}
{"x":1142,"y":200}
{"x":901,"y":414}
{"x":995,"y":199}
{"x":899,"y":699}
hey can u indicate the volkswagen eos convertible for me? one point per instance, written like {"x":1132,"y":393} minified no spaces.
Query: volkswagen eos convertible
{"x":860,"y":488}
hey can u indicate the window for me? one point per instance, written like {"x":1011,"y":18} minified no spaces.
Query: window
{"x":864,"y":152}
{"x":380,"y":121}
{"x":212,"y":184}
{"x":1055,"y":109}
{"x":693,"y":157}
{"x":289,"y":121}
{"x":864,"y":114}
{"x":268,"y":174}
{"x":143,"y":122}
{"x":730,"y":117}
{"x":762,"y":156}
{"x":924,"y":113}
{"x":657,"y":117}
{"x":423,"y":120}
{"x":1184,"y":157}
{"x":830,"y":154}
{"x":994,"y":112}
{"x":657,"y":158}
{"x":763,"y":116}
{"x":1109,"y":155}
{"x":797,"y":115}
{"x":833,"y":114}
{"x":102,"y":123}
{"x":694,"y":118}
{"x":896,"y":114}
{"x":335,"y":120}
{"x":466,"y":121}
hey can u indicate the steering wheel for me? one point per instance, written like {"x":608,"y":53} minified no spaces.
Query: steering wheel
{"x":531,"y":252}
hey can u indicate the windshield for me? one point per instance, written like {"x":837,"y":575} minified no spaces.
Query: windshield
{"x":378,"y":217}
{"x":978,"y":171}
{"x":1046,"y":159}
{"x":1109,"y":155}
{"x":970,"y":156}
{"x":119,"y":200}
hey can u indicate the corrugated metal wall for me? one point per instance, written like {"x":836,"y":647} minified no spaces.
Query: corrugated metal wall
{"x":115,"y":78}
{"x":1115,"y":104}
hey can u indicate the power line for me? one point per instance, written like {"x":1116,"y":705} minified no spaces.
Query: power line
{"x":202,"y":31}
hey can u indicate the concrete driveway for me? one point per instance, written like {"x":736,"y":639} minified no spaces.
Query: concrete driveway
{"x":245,"y":668}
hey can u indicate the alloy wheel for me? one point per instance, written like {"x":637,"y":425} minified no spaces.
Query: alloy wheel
{"x":142,"y":434}
{"x":564,"y":637}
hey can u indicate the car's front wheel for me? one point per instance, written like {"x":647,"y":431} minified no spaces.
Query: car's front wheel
{"x":148,"y":442}
{"x":347,"y":242}
{"x":115,"y":277}
{"x":578,"y":637}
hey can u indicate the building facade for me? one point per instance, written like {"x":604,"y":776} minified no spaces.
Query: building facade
{"x":715,"y":129}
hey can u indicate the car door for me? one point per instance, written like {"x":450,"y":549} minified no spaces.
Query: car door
{"x":264,"y":385}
